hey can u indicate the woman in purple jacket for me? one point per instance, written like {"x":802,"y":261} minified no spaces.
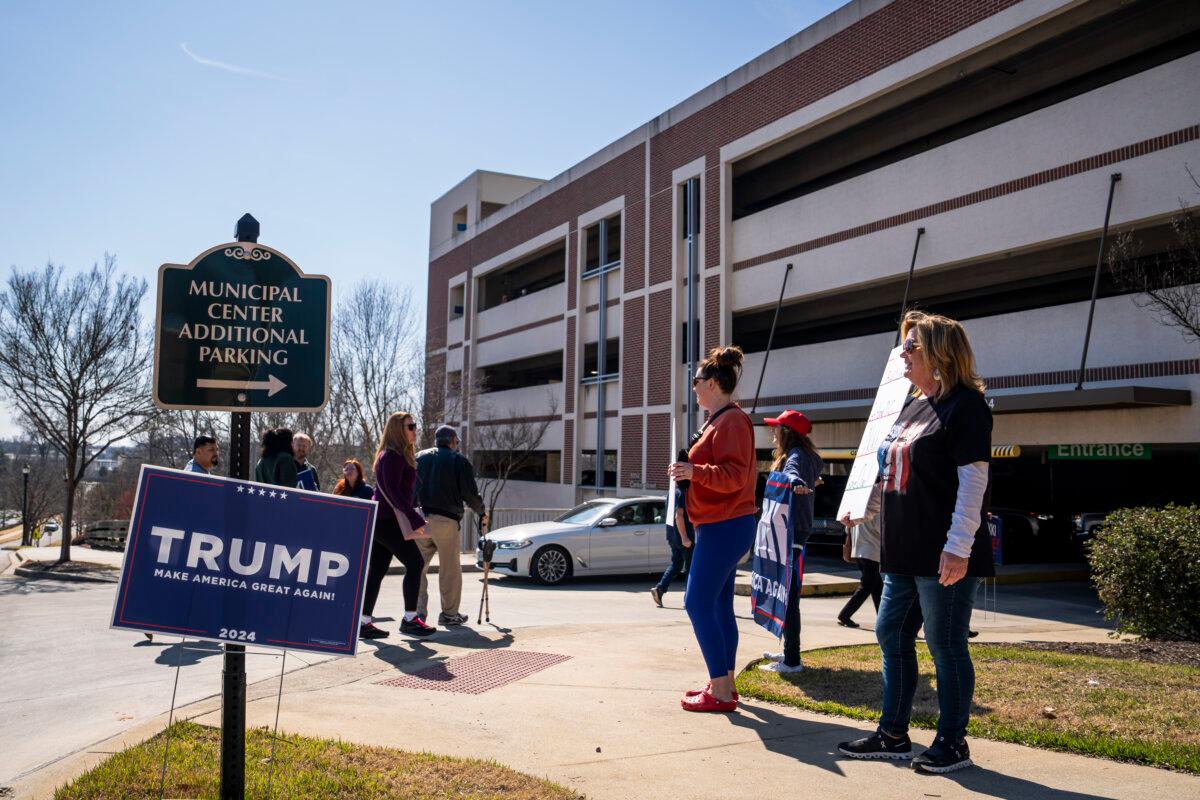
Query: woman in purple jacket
{"x":398,"y":524}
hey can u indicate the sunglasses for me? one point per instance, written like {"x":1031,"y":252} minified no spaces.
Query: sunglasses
{"x":412,"y":426}
{"x":910,"y":345}
{"x":696,"y":381}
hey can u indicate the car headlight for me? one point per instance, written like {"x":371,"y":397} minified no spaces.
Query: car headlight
{"x":513,"y":545}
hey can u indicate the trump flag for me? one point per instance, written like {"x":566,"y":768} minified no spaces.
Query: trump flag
{"x":772,"y":567}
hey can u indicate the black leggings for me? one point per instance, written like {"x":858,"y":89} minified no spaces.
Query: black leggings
{"x":389,"y":541}
{"x":870,"y":585}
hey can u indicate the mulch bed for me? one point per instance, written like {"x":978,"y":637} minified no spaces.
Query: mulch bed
{"x":1186,"y":654}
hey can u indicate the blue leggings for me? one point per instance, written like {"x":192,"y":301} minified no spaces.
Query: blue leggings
{"x":709,"y":597}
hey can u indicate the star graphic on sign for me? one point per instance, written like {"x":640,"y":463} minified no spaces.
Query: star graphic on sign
{"x":283,"y":495}
{"x":262,"y":492}
{"x":241,"y":489}
{"x":273,"y":493}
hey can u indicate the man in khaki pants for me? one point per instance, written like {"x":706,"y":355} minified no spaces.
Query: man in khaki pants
{"x":447,"y":482}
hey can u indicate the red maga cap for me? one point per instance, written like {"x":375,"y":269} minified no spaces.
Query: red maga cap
{"x":794,"y":420}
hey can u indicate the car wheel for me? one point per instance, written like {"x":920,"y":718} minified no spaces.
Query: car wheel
{"x":551,"y":565}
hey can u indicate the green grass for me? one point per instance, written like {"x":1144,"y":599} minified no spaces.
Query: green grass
{"x":305,"y":768}
{"x":1141,"y":712}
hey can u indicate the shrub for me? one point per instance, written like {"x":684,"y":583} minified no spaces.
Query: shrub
{"x":1146,"y":565}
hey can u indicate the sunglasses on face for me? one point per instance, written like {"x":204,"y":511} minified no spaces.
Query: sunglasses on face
{"x":910,"y":345}
{"x":696,"y":381}
{"x":412,"y":426}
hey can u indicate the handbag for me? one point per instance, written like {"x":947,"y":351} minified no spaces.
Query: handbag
{"x":406,"y":528}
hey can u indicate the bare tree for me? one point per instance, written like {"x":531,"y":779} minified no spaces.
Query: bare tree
{"x":74,"y":362}
{"x":45,"y":486}
{"x":501,"y":447}
{"x":376,"y":366}
{"x":1168,"y":281}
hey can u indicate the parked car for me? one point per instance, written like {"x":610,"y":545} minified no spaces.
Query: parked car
{"x":1031,"y":537}
{"x":109,"y":534}
{"x":1084,"y":524}
{"x":49,"y":526}
{"x":606,"y":536}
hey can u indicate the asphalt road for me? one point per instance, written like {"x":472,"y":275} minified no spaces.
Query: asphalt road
{"x":71,"y":682}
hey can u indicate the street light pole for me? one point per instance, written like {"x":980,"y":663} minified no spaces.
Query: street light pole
{"x":25,"y":508}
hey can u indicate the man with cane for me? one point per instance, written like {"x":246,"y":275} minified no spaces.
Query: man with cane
{"x":447,"y":483}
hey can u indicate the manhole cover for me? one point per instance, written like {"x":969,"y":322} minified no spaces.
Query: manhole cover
{"x":478,"y":672}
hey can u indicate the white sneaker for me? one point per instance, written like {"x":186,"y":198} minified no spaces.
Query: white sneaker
{"x":779,"y":666}
{"x":769,"y":656}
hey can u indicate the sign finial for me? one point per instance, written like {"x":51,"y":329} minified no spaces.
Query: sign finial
{"x":246,"y":229}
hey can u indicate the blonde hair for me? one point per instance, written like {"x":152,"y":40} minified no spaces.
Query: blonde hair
{"x":394,"y":438}
{"x":947,"y":350}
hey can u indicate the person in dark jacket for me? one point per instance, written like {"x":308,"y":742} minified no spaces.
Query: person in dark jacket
{"x":398,"y":525}
{"x":447,"y":482}
{"x":353,"y":482}
{"x":276,"y":464}
{"x":795,"y":456}
{"x":680,"y":536}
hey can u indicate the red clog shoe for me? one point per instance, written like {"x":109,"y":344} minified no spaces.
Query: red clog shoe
{"x":706,"y":702}
{"x":707,"y":688}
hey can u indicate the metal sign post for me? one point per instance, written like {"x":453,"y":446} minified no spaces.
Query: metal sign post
{"x":240,"y":328}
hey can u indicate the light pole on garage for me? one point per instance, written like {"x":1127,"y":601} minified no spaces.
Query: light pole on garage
{"x":25,"y":508}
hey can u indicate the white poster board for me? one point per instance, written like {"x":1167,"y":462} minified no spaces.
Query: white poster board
{"x":889,"y":400}
{"x":671,"y":484}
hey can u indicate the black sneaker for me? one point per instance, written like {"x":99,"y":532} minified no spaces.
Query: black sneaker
{"x":371,"y":631}
{"x":451,"y":620}
{"x":943,"y":756}
{"x":656,"y":593}
{"x":877,"y":745}
{"x":416,"y":627}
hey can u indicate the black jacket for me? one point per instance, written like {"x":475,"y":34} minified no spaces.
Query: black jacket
{"x":447,"y":481}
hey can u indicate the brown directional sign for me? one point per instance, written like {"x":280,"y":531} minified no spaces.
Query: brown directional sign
{"x":241,"y":328}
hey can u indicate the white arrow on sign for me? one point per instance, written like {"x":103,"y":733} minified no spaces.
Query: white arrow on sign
{"x":272,"y":384}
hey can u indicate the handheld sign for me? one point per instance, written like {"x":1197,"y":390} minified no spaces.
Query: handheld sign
{"x":771,"y":569}
{"x":226,"y":560}
{"x":889,"y":401}
{"x":241,"y":328}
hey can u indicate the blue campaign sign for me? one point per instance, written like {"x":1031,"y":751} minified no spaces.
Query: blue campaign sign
{"x":771,"y":570}
{"x":235,"y":561}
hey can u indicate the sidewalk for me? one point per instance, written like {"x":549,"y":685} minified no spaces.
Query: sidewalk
{"x":606,"y":721}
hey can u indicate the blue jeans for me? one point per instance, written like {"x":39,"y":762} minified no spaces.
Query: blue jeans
{"x":709,"y":597}
{"x":679,"y":557}
{"x":946,"y":613}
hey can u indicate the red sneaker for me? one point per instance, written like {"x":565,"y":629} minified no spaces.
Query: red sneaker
{"x":706,"y":702}
{"x":707,"y":688}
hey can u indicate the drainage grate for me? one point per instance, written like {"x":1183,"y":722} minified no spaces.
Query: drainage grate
{"x":478,"y":672}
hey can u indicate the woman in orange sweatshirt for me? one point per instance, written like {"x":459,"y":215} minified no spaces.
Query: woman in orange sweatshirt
{"x":721,"y":469}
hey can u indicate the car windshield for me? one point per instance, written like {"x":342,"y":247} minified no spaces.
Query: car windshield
{"x":589,"y":513}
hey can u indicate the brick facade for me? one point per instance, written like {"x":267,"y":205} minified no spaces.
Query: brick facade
{"x":633,"y":352}
{"x":630,"y":455}
{"x":661,"y":351}
{"x":658,"y":450}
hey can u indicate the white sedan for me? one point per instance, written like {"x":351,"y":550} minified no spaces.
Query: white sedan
{"x":607,"y":536}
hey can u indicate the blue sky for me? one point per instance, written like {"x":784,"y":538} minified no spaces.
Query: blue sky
{"x":146,"y":129}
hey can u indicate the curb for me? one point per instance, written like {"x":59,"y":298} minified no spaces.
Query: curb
{"x":1070,"y":574}
{"x":35,"y":574}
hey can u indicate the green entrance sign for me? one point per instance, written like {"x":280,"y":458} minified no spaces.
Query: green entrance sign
{"x":1099,"y":452}
{"x":241,"y":328}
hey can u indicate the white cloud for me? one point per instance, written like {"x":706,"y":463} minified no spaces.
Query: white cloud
{"x":208,"y":62}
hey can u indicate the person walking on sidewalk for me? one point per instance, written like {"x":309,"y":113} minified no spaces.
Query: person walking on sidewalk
{"x":935,"y":546}
{"x":398,"y":526}
{"x":353,"y":482}
{"x":447,"y":483}
{"x":276,"y":464}
{"x":861,"y":547}
{"x":680,"y":536}
{"x":204,"y":455}
{"x":721,"y":473}
{"x":306,"y":473}
{"x":795,"y":456}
